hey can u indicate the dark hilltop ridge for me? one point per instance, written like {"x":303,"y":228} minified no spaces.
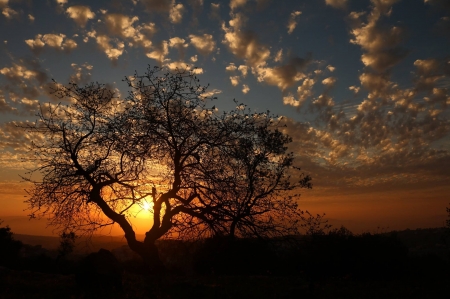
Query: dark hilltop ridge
{"x":335,"y":264}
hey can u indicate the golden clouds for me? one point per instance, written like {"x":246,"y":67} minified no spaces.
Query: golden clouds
{"x":292,"y":21}
{"x":337,"y":3}
{"x":80,"y":14}
{"x":55,"y":41}
{"x":204,"y":44}
{"x":381,"y":44}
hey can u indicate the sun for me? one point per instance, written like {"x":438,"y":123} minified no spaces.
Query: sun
{"x":146,"y":206}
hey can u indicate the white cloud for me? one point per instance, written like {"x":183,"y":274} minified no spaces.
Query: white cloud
{"x":245,"y":88}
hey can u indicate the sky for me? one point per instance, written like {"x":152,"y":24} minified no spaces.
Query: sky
{"x":362,"y":85}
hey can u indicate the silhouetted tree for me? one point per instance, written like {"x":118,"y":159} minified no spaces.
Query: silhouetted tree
{"x":204,"y":172}
{"x":9,"y":248}
{"x":66,"y":244}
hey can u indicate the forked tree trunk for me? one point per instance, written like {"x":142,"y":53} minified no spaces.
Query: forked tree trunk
{"x":152,"y":259}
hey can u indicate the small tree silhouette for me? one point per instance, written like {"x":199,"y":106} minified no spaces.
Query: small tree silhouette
{"x":9,"y":248}
{"x":66,"y":244}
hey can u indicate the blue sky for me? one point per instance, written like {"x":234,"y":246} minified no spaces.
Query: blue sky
{"x":363,"y":86}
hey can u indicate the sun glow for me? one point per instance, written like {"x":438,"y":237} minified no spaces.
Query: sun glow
{"x":147,"y":206}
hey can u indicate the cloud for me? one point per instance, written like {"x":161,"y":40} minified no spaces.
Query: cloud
{"x":234,"y":80}
{"x":293,"y":21}
{"x":329,"y":82}
{"x":82,"y":73}
{"x":381,"y":44}
{"x":9,"y":13}
{"x":160,"y":52}
{"x":243,"y":69}
{"x":176,"y":13}
{"x":204,"y":44}
{"x":18,"y":73}
{"x":231,"y":67}
{"x":211,"y":93}
{"x":31,"y":18}
{"x":237,"y":3}
{"x":178,"y":43}
{"x":124,"y":26}
{"x":283,"y":76}
{"x":279,"y":56}
{"x":245,"y":88}
{"x":215,"y":11}
{"x":55,"y":41}
{"x":180,"y":65}
{"x":113,"y":53}
{"x":80,"y":14}
{"x":337,"y":3}
{"x":5,"y":107}
{"x":244,"y":44}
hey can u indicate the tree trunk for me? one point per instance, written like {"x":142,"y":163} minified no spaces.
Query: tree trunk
{"x":152,"y":259}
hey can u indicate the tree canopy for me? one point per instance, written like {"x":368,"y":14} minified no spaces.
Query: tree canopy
{"x":204,"y":172}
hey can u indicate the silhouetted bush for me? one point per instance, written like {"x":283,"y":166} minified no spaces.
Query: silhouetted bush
{"x":225,"y":256}
{"x":99,"y":271}
{"x":9,"y":248}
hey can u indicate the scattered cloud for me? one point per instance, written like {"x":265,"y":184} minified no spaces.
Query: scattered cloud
{"x":55,"y":41}
{"x":293,"y":21}
{"x":245,"y":88}
{"x":112,"y":52}
{"x":204,"y":44}
{"x":176,"y":13}
{"x":234,"y":80}
{"x":80,"y":14}
{"x":382,"y":45}
{"x":337,"y":3}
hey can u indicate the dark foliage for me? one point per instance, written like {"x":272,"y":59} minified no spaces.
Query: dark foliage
{"x":99,"y":271}
{"x":9,"y":248}
{"x":227,"y":256}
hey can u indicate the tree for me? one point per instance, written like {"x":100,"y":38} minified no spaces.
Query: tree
{"x":66,"y":244}
{"x":9,"y":248}
{"x":205,"y":172}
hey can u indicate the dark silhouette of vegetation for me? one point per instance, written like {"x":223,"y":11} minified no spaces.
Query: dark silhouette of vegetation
{"x":319,"y":265}
{"x":67,"y":244}
{"x":99,"y":271}
{"x":9,"y":248}
{"x":205,"y":173}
